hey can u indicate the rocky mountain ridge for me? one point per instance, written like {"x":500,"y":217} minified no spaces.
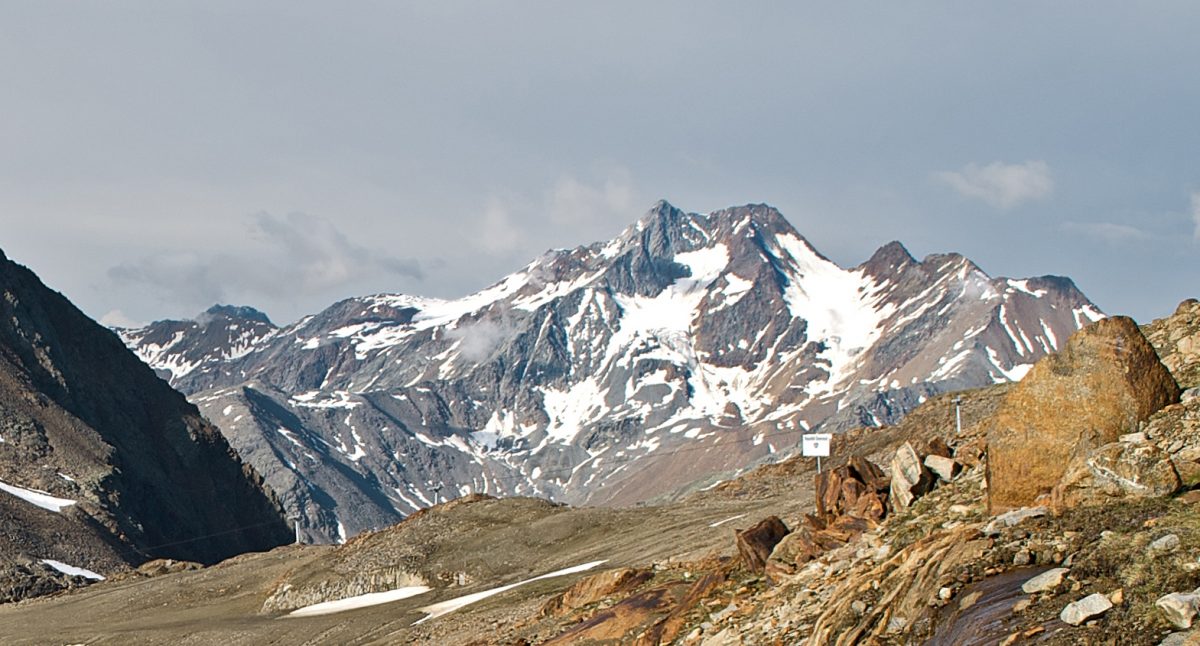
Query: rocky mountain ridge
{"x":689,"y":346}
{"x":103,"y":466}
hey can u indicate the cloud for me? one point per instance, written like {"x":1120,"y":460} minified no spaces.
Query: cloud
{"x":293,"y":254}
{"x":571,"y":211}
{"x":1108,"y":231}
{"x":572,"y":201}
{"x":117,"y":318}
{"x":1196,"y":216}
{"x":479,"y":340}
{"x":1001,"y":185}
{"x":498,"y":232}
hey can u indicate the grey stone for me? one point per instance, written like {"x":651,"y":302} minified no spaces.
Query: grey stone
{"x":1046,"y":581}
{"x":1179,"y":608}
{"x":1077,"y":612}
{"x":1012,"y":518}
{"x":1163,"y":545}
{"x":944,"y":468}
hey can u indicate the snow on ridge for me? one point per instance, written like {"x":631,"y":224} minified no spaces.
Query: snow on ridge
{"x":1023,"y":286}
{"x":840,"y":306}
{"x":39,"y":498}
{"x":1086,"y":315}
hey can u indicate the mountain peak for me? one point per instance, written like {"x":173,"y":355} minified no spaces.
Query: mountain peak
{"x":235,"y":312}
{"x":889,"y":257}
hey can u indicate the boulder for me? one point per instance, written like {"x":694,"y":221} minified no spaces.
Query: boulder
{"x":755,"y":544}
{"x":1090,"y":606}
{"x":1179,"y":608}
{"x":594,"y":588}
{"x":1163,"y":545}
{"x":910,"y":478}
{"x":944,"y":468}
{"x":1116,"y":470}
{"x":858,"y":488}
{"x":1046,"y":581}
{"x":1104,"y":383}
{"x":1012,"y":519}
{"x":1189,"y":638}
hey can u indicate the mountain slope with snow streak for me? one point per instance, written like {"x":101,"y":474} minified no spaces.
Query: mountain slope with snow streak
{"x":690,"y":345}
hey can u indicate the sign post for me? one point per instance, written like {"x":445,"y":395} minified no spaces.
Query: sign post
{"x":815,"y":445}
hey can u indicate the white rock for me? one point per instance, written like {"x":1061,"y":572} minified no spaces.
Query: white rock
{"x":1164,"y":545}
{"x":1179,"y":608}
{"x":1133,"y":438}
{"x":1012,"y":518}
{"x":943,"y":468}
{"x":1080,"y":611}
{"x":1046,"y":581}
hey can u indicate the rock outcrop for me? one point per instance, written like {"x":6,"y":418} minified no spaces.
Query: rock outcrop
{"x":1134,"y":468}
{"x":1106,"y":382}
{"x":910,"y":478}
{"x":1176,"y":338}
{"x":754,"y":545}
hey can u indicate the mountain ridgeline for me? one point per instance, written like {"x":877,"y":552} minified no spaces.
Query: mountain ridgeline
{"x":104,"y":465}
{"x":688,"y":348}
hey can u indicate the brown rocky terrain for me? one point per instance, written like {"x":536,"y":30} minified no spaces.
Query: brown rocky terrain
{"x":893,"y":543}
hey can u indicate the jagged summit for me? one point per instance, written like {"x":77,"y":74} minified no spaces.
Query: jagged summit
{"x":234,"y":312}
{"x":726,"y":332}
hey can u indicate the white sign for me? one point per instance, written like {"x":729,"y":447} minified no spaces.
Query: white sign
{"x":815,"y":445}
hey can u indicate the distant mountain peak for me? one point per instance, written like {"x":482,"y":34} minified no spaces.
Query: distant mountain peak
{"x":234,"y":312}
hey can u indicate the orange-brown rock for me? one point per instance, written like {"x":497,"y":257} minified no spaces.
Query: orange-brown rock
{"x":594,"y":588}
{"x":625,"y":618}
{"x":1104,"y":383}
{"x":755,"y":544}
{"x":858,"y":488}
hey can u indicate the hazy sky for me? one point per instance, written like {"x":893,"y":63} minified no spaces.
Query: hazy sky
{"x":157,"y":157}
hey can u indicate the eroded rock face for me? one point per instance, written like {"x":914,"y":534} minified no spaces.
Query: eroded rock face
{"x":858,"y":488}
{"x":1105,"y":383}
{"x":594,"y":588}
{"x":755,"y":544}
{"x":910,"y":478}
{"x":1116,"y":470}
{"x":1176,"y":338}
{"x":1176,"y":430}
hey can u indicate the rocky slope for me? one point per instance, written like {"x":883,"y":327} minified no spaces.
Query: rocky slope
{"x":102,"y":464}
{"x":857,"y":562}
{"x":689,"y":346}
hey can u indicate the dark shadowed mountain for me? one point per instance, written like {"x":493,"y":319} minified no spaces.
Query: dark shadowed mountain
{"x":102,"y":463}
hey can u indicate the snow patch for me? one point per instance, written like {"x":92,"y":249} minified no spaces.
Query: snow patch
{"x":71,"y":570}
{"x":39,"y":498}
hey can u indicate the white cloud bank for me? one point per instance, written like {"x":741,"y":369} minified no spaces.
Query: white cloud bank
{"x":1001,"y":185}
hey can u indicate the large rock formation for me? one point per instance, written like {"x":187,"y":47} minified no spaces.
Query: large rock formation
{"x":1176,"y":338}
{"x":1106,"y":382}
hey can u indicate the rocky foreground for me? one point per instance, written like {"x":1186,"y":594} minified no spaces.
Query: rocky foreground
{"x":915,"y":535}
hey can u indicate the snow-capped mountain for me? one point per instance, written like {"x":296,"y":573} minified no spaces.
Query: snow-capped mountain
{"x":690,"y":345}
